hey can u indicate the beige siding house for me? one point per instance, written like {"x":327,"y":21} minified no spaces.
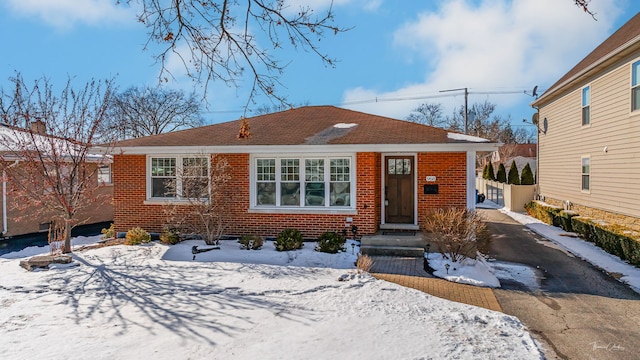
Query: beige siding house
{"x":589,"y":155}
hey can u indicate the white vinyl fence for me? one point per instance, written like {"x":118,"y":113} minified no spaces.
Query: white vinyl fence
{"x":512,"y":197}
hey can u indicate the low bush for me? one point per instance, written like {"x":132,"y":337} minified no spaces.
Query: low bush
{"x":544,"y":212}
{"x":331,"y":242}
{"x":170,"y":236}
{"x":251,"y":242}
{"x":137,"y":236}
{"x":109,"y":233}
{"x":289,"y":239}
{"x":455,"y":232}
{"x":564,"y":219}
{"x":614,"y":239}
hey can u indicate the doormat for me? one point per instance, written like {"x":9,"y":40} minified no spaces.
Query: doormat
{"x":399,"y":233}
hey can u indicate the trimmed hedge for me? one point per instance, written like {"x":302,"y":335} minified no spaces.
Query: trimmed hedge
{"x":614,"y":239}
{"x":543,"y":212}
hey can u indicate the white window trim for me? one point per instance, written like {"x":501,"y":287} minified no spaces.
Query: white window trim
{"x":105,"y":183}
{"x":301,"y":209}
{"x":586,"y":191}
{"x":170,"y":200}
{"x":582,"y":106}
{"x":631,"y":87}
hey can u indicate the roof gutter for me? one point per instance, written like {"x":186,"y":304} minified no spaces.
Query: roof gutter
{"x":586,"y":70}
{"x":289,"y":149}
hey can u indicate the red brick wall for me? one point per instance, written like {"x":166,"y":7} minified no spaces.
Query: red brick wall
{"x":450,"y":170}
{"x":129,"y":177}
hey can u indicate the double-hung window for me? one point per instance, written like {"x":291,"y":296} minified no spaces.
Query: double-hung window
{"x":104,"y":175}
{"x":586,"y":105}
{"x":635,"y":86}
{"x":303,"y":182}
{"x":586,"y":173}
{"x":179,"y":177}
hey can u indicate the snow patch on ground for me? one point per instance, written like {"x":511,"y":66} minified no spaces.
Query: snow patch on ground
{"x":155,"y":301}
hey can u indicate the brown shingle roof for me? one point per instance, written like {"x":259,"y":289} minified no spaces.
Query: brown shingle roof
{"x":628,"y":32}
{"x":305,"y":125}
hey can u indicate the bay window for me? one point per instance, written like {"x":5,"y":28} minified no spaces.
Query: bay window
{"x":302,"y":182}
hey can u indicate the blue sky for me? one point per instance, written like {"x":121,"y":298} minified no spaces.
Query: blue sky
{"x":398,"y":54}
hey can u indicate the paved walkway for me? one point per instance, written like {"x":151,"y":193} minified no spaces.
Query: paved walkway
{"x":409,"y":272}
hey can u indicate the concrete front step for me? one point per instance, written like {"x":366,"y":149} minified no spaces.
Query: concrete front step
{"x":400,"y":241}
{"x":387,"y":250}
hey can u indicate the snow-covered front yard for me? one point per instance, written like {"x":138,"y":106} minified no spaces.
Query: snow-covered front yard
{"x":154,"y":301}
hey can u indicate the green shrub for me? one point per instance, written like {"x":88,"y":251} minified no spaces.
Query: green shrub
{"x":251,"y":242}
{"x":485,"y":171}
{"x":137,"y":236}
{"x":564,"y":219}
{"x":514,"y":176}
{"x":288,"y":239}
{"x":614,"y":239}
{"x":490,"y":172}
{"x":583,"y":227}
{"x":527,"y":176}
{"x":170,"y":236}
{"x":331,"y":242}
{"x":501,"y":176}
{"x":109,"y":233}
{"x":546,"y":213}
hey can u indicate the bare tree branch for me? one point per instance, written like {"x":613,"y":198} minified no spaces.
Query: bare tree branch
{"x":584,"y":5}
{"x":45,"y":153}
{"x":138,"y":112}
{"x":220,"y":40}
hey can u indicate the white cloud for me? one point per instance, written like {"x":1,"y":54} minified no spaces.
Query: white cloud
{"x":65,"y":14}
{"x":496,"y":45}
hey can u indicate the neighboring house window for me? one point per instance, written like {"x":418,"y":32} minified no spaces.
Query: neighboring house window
{"x":303,"y":182}
{"x":635,"y":86}
{"x":586,"y":102}
{"x":586,"y":173}
{"x":175,"y":177}
{"x":104,"y":174}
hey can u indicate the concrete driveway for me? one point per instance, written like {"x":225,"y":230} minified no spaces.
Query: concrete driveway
{"x":575,"y":310}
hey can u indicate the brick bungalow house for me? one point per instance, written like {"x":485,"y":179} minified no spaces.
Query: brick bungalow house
{"x":311,"y":168}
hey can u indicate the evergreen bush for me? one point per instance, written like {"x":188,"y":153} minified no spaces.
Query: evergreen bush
{"x":490,"y":173}
{"x":251,"y":242}
{"x":501,"y":176}
{"x":331,"y":242}
{"x":527,"y":176}
{"x":514,"y":176}
{"x":170,"y":236}
{"x":109,"y":233}
{"x":289,"y":239}
{"x":137,"y":236}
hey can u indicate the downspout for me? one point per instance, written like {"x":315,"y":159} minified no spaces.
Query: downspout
{"x":5,"y":224}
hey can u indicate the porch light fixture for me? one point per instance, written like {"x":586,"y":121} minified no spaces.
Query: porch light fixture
{"x":353,"y":248}
{"x":446,"y":266}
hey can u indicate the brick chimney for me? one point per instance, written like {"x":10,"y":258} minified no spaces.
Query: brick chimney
{"x":39,"y":127}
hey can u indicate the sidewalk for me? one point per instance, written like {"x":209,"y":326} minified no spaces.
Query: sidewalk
{"x":409,"y":272}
